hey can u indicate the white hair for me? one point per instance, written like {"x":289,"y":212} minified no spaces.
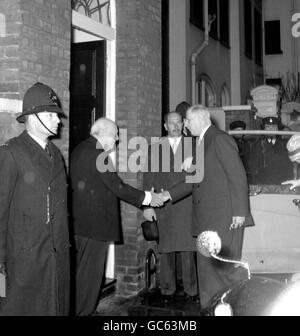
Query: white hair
{"x":200,"y":110}
{"x":102,"y":126}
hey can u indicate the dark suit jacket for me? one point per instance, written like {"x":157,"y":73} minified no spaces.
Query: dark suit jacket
{"x":95,"y":195}
{"x":174,"y":220}
{"x":223,"y":193}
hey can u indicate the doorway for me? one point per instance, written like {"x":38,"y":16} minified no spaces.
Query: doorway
{"x":87,"y":88}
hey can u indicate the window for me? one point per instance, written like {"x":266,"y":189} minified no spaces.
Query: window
{"x":217,"y":9}
{"x":225,"y":97}
{"x":248,"y":27}
{"x":197,"y":13}
{"x":206,"y":95}
{"x":213,"y":12}
{"x":272,"y":37}
{"x":258,"y":36}
{"x":224,"y":22}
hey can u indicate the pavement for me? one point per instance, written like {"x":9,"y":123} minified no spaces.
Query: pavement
{"x":147,"y":303}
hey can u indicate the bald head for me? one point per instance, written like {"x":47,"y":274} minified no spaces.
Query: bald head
{"x":198,"y":118}
{"x":106,"y":132}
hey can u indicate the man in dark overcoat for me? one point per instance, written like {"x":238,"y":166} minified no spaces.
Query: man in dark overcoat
{"x":96,"y":190}
{"x":220,"y":202}
{"x":34,"y":236}
{"x":174,"y":220}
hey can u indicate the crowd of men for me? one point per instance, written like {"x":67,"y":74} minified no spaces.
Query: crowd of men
{"x":36,"y":233}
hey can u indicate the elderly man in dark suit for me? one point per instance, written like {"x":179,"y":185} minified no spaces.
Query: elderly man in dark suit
{"x":34,"y":235}
{"x":96,"y":190}
{"x":174,"y":220}
{"x":220,"y":202}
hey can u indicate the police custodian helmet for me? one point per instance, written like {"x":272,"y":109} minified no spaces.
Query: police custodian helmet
{"x":270,"y":121}
{"x":40,"y":98}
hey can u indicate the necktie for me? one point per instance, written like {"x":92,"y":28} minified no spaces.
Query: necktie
{"x":48,"y":151}
{"x":174,"y":146}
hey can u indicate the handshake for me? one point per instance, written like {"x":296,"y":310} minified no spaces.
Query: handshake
{"x":158,"y":199}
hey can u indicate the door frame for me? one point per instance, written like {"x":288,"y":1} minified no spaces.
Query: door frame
{"x":85,"y":29}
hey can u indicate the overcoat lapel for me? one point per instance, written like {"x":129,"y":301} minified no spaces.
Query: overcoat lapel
{"x":56,"y":162}
{"x":38,"y":157}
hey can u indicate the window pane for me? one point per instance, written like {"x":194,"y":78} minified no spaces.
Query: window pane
{"x":272,"y":37}
{"x":248,"y":27}
{"x":258,"y":36}
{"x":213,"y":11}
{"x":196,"y":13}
{"x":224,"y":21}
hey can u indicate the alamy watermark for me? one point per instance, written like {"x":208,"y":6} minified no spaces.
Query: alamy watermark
{"x":137,"y":155}
{"x":296,"y":26}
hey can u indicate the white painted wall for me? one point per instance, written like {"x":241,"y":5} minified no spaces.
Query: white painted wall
{"x":220,"y":64}
{"x":178,"y":20}
{"x":278,"y":65}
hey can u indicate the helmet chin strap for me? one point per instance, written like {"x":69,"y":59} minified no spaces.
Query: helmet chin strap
{"x":44,"y":125}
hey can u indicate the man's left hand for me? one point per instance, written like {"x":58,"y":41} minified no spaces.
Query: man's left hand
{"x":237,"y":222}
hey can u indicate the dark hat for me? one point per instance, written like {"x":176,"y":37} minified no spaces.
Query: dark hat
{"x":150,"y":230}
{"x":39,"y":98}
{"x":270,"y":121}
{"x":236,"y":124}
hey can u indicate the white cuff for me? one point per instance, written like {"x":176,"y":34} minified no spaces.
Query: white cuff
{"x":147,"y":199}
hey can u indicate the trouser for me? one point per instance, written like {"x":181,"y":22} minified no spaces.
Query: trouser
{"x":214,"y":275}
{"x":90,"y":267}
{"x":168,"y":273}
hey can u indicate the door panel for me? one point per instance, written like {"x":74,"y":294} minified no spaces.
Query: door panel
{"x":87,"y":88}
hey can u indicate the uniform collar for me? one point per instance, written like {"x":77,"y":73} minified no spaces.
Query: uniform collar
{"x":38,"y":140}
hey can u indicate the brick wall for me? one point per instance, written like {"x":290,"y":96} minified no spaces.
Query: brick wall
{"x":138,"y":108}
{"x":35,"y":47}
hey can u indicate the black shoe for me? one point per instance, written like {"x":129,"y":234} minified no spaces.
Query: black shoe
{"x":192,"y":298}
{"x":166,"y":298}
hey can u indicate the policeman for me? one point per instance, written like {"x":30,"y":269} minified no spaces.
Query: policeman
{"x":34,"y":235}
{"x":274,"y":164}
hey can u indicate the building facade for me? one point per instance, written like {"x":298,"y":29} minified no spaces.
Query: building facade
{"x":130,"y":61}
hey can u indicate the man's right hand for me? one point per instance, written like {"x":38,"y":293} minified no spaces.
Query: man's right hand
{"x":3,"y":268}
{"x":149,"y":213}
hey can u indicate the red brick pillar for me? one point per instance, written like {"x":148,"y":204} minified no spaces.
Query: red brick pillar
{"x":34,"y":46}
{"x":138,"y":109}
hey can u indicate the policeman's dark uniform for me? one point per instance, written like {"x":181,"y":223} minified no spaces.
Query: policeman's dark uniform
{"x":243,"y":145}
{"x":273,"y":163}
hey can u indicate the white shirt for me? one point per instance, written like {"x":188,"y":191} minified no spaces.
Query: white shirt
{"x":38,"y":140}
{"x":203,"y":132}
{"x":174,"y":142}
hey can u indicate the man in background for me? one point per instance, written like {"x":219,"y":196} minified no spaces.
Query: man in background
{"x":174,"y":220}
{"x":182,"y":108}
